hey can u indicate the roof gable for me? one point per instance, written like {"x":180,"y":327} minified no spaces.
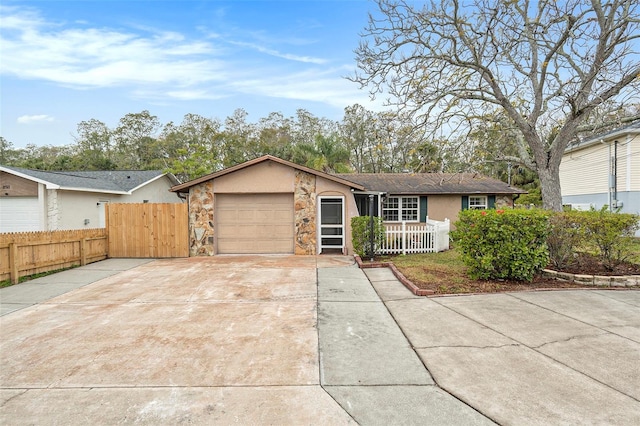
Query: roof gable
{"x":335,"y":178}
{"x":110,"y":181}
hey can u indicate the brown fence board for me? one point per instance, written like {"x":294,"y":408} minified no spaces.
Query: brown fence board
{"x":27,"y":253}
{"x":148,"y":230}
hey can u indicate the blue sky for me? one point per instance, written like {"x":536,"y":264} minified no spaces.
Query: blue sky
{"x":62,"y":62}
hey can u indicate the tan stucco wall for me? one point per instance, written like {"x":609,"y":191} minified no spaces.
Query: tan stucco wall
{"x":268,"y":176}
{"x":441,"y":207}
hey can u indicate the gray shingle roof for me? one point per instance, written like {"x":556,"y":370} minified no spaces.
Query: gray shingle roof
{"x":113,"y":180}
{"x":431,"y":183}
{"x":633,"y":128}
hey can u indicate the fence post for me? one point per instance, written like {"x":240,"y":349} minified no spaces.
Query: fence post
{"x":404,"y":237}
{"x":83,"y":252}
{"x":106,"y":226}
{"x":436,"y":238}
{"x":13,"y":263}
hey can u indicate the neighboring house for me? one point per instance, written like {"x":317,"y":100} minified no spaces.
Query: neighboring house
{"x":603,"y":170}
{"x":269,"y":205}
{"x":35,"y":200}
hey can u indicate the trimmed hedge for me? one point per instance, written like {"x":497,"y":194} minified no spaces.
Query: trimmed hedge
{"x":503,"y":244}
{"x":515,"y":244}
{"x":611,"y":233}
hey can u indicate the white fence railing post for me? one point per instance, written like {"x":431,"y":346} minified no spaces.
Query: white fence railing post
{"x":404,"y":237}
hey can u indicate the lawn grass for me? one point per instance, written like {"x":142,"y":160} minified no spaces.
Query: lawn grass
{"x":7,"y":283}
{"x":443,"y":270}
{"x":445,"y":273}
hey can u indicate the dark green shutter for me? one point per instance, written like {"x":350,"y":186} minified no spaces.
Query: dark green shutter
{"x":491,"y":201}
{"x":423,"y":208}
{"x":465,"y":202}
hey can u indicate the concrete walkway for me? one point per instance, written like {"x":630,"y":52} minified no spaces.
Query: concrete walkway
{"x":367,"y":364}
{"x":39,"y":290}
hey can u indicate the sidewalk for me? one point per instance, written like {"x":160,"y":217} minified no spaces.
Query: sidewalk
{"x":366,"y":363}
{"x":28,"y":293}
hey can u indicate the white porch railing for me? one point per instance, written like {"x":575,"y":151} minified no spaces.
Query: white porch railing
{"x":429,"y":237}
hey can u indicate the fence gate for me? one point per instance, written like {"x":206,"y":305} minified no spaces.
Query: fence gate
{"x":148,"y":229}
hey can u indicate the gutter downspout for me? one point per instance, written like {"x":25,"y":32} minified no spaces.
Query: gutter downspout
{"x":614,"y":201}
{"x":609,"y":175}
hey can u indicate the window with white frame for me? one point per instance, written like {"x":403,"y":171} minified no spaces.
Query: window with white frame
{"x":396,"y":209}
{"x":478,"y":202}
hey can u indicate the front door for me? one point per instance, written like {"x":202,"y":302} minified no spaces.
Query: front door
{"x":331,"y":223}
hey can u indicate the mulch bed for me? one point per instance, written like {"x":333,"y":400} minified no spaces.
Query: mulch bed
{"x":590,"y":265}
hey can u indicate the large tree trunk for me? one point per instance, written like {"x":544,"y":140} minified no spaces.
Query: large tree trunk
{"x":550,"y":185}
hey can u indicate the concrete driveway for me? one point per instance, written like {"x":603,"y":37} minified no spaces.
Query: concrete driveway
{"x":219,"y":340}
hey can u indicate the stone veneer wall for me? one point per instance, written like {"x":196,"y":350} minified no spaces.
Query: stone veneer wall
{"x":201,"y":228}
{"x":304,"y":201}
{"x":503,"y":201}
{"x":53,"y":211}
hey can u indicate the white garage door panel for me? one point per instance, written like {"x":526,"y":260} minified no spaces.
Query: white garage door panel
{"x":19,"y":214}
{"x":254,"y":223}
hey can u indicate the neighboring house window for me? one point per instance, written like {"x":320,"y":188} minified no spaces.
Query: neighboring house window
{"x":396,"y":209}
{"x":478,"y":202}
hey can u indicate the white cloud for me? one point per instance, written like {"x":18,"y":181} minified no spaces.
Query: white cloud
{"x":35,"y":49}
{"x":162,"y":66}
{"x":29,"y":119}
{"x":275,"y":53}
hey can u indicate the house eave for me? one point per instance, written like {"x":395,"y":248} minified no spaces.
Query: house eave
{"x":99,"y":191}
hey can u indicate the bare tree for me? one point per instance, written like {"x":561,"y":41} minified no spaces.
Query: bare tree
{"x":546,"y":64}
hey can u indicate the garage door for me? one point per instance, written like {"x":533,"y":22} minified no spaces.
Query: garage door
{"x":19,"y":214}
{"x":254,"y":223}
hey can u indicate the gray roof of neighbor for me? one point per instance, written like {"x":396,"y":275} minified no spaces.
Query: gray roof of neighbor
{"x":431,"y":183}
{"x":633,"y":128}
{"x":108,"y":180}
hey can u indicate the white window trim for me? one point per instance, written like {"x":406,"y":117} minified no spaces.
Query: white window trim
{"x":400,"y":210}
{"x":479,"y":206}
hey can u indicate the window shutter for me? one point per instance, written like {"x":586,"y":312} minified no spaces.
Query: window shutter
{"x":465,"y":202}
{"x":423,"y":208}
{"x":491,"y":201}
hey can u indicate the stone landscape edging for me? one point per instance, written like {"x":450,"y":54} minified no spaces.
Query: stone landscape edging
{"x":594,"y":280}
{"x":589,"y":280}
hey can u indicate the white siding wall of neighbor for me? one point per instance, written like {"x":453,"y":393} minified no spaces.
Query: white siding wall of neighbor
{"x":585,"y":171}
{"x":584,"y":175}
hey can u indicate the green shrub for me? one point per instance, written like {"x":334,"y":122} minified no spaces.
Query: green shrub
{"x":361,"y":234}
{"x":502,"y":244}
{"x":565,"y":235}
{"x":612,"y":233}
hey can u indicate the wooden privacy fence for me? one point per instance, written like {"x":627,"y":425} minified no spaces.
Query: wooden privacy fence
{"x":27,"y":253}
{"x":148,"y":229}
